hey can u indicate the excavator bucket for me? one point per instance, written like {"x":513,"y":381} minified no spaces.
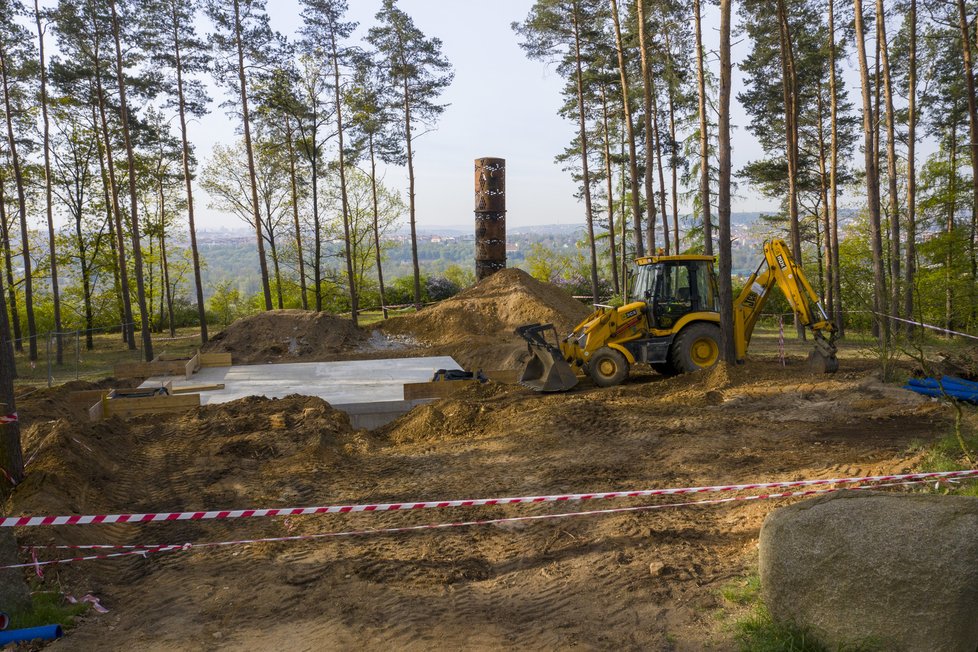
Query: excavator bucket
{"x":822,"y":360}
{"x":547,"y":371}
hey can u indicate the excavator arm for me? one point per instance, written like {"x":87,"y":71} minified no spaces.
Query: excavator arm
{"x":779,"y":268}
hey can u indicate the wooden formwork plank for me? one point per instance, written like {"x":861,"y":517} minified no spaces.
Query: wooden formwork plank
{"x":192,"y":366}
{"x":505,"y":376}
{"x":215,"y":359}
{"x":434,"y":389}
{"x":126,"y":407}
{"x":187,"y":389}
{"x":147,"y":369}
{"x":86,"y":397}
{"x":97,"y":411}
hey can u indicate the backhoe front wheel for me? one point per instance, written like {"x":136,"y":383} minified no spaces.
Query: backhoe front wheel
{"x":607,"y":367}
{"x":696,"y":347}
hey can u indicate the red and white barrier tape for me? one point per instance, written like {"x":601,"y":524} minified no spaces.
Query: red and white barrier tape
{"x":9,"y":418}
{"x":33,"y":521}
{"x":89,"y":598}
{"x":10,"y":478}
{"x":144,"y":551}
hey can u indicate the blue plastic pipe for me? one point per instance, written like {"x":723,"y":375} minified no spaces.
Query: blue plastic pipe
{"x":45,"y":633}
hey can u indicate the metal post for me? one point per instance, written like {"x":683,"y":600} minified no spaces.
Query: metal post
{"x":490,"y":216}
{"x":48,"y":351}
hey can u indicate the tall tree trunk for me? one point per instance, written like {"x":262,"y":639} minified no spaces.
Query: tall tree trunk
{"x":728,"y":351}
{"x":317,"y":236}
{"x":949,"y":229}
{"x":295,"y":213}
{"x":833,"y":175}
{"x":22,"y":209}
{"x":137,"y":254}
{"x":111,"y":190}
{"x":377,"y":249}
{"x":344,"y":199}
{"x":11,"y":452}
{"x":86,"y":277}
{"x":828,"y":292}
{"x":651,"y":133}
{"x":891,"y":168}
{"x":55,"y":292}
{"x":673,"y":158}
{"x":185,"y":142}
{"x":624,"y":216}
{"x":872,"y":177}
{"x":629,"y":124}
{"x":704,"y":135}
{"x":658,"y":155}
{"x":582,"y":134}
{"x":8,"y":260}
{"x":789,"y":84}
{"x":167,"y":288}
{"x":273,"y":251}
{"x":411,"y":210}
{"x":969,"y":77}
{"x":911,"y":250}
{"x":246,"y":122}
{"x":611,"y":193}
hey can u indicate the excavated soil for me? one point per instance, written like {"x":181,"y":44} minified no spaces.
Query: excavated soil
{"x":476,"y":326}
{"x":641,"y":580}
{"x":286,"y":336}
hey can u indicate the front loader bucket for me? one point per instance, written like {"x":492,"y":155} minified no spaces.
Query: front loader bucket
{"x":822,"y":359}
{"x":547,"y":371}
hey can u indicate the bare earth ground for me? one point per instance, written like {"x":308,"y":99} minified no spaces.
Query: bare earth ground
{"x":641,"y":580}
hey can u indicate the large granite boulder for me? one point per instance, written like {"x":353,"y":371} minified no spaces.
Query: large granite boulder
{"x":14,"y":595}
{"x":897,"y":570}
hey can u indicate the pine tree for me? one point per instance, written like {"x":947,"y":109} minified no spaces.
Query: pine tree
{"x":417,"y":73}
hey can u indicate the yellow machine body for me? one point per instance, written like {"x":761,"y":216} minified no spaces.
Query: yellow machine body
{"x":672,"y":323}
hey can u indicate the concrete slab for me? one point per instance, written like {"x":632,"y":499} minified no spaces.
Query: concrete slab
{"x":370,"y":391}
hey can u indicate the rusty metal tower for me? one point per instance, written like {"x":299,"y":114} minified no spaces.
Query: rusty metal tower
{"x":490,"y":216}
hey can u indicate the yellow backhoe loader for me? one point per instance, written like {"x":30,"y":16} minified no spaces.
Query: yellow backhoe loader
{"x":673,"y":323}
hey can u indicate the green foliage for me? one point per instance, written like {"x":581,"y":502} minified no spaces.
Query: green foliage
{"x":48,"y":608}
{"x":742,"y":591}
{"x":756,"y":631}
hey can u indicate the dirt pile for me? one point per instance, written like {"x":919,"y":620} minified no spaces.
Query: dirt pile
{"x":495,"y":306}
{"x":236,"y":453}
{"x":476,"y":326}
{"x":287,"y":335}
{"x":641,"y":580}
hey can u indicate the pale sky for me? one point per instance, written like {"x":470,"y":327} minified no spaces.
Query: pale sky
{"x":501,"y":104}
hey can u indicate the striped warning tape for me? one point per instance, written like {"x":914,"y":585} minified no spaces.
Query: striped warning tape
{"x":144,"y":551}
{"x":33,"y":521}
{"x":9,"y":418}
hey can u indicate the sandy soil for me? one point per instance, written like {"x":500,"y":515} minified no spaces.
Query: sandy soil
{"x":629,"y":581}
{"x":641,"y":580}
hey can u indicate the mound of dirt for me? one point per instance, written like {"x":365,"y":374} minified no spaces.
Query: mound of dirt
{"x":476,"y":326}
{"x":237,"y":453}
{"x":283,"y":335}
{"x":496,"y":306}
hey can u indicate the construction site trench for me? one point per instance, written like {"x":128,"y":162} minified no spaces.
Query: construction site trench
{"x":640,"y":580}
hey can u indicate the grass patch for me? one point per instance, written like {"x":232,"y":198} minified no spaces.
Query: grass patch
{"x":743,"y":591}
{"x":754,"y":630}
{"x":757,"y":632}
{"x":48,"y":608}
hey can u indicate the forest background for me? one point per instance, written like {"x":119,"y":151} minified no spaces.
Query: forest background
{"x":859,"y":123}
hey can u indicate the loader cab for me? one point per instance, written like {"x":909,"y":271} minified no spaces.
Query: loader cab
{"x":674,"y":286}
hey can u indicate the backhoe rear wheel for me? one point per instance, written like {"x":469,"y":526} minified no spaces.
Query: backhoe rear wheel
{"x":696,"y":347}
{"x":607,"y":367}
